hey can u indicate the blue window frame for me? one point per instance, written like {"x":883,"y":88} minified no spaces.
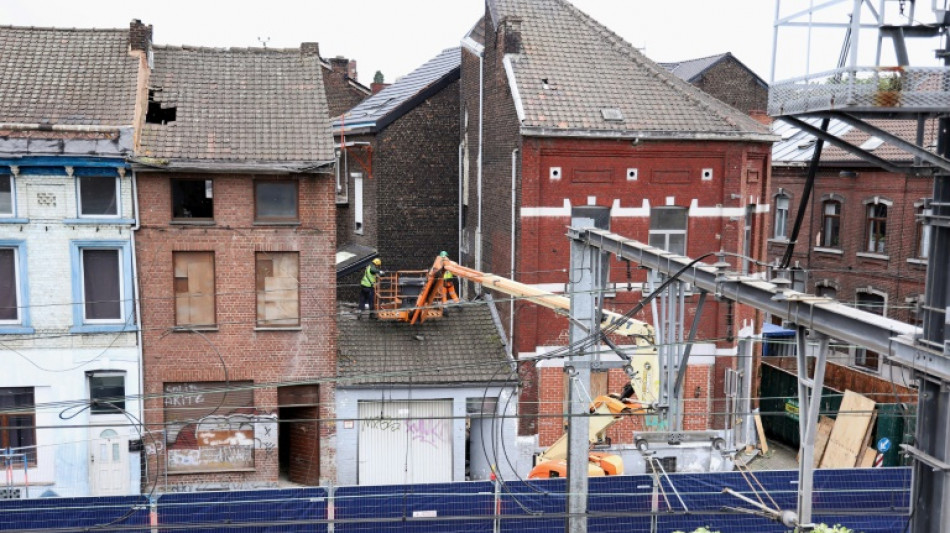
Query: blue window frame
{"x":103,"y":292}
{"x":17,"y":289}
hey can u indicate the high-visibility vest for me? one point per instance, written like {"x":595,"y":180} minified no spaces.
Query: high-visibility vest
{"x":369,"y":277}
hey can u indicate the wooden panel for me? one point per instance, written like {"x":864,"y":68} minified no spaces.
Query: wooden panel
{"x":298,"y":395}
{"x":278,"y":299}
{"x":867,"y":458}
{"x":763,"y":444}
{"x":847,"y":436}
{"x":192,"y":401}
{"x":825,"y":425}
{"x":194,"y":288}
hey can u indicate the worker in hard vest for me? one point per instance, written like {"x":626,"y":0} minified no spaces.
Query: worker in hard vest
{"x":448,"y":285}
{"x":368,"y":288}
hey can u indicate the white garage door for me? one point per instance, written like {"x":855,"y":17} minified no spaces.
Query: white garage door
{"x":405,"y":442}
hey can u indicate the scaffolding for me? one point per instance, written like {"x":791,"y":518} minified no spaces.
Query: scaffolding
{"x":10,"y":461}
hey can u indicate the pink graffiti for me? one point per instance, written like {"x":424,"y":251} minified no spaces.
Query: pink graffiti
{"x":431,"y":432}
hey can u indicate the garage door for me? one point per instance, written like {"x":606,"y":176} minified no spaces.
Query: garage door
{"x":405,"y":442}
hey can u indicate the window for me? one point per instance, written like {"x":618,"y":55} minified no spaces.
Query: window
{"x":107,"y":388}
{"x":7,"y":203}
{"x":831,"y":224}
{"x":275,"y":200}
{"x":358,"y":202}
{"x":278,"y":289}
{"x":18,"y":421}
{"x":668,"y":229}
{"x":923,"y":233}
{"x":877,"y":228}
{"x":101,"y":285}
{"x":194,"y":288}
{"x":826,"y":291}
{"x":9,"y":287}
{"x":192,"y":199}
{"x":872,"y":303}
{"x":781,"y":216}
{"x":98,"y":196}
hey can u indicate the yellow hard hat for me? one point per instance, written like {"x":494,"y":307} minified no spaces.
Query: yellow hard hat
{"x":377,"y":261}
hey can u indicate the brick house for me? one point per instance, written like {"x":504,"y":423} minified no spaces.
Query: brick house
{"x":450,"y":380}
{"x":235,"y":179}
{"x":570,"y":117}
{"x":861,"y":240}
{"x":726,"y":78}
{"x":68,"y":319}
{"x":398,"y":169}
{"x":339,"y":80}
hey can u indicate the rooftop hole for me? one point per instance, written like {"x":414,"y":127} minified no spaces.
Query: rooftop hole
{"x":156,"y":114}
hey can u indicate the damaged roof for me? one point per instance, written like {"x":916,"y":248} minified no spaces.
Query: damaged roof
{"x":238,"y":106}
{"x":67,"y":76}
{"x":386,"y":106}
{"x":464,"y":347}
{"x":575,"y":77}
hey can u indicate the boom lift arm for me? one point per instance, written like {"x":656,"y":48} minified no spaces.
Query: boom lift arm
{"x":608,"y":409}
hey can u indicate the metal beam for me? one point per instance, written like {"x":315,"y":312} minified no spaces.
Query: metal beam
{"x":909,"y":147}
{"x":846,"y":146}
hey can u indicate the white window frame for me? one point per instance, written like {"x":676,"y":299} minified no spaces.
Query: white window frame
{"x":358,"y":225}
{"x":17,"y":287}
{"x":775,"y":230}
{"x":667,"y":232}
{"x":120,"y":281}
{"x":106,"y":374}
{"x":118,"y":198}
{"x":12,"y":213}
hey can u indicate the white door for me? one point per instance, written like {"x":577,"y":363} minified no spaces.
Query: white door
{"x":109,"y":464}
{"x":404,"y":442}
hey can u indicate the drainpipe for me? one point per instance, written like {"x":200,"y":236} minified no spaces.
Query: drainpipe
{"x":138,"y":303}
{"x":481,"y":123}
{"x":461,"y":200}
{"x":514,"y":233}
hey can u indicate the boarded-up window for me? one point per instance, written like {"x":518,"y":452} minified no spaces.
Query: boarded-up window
{"x":212,"y":426}
{"x":194,"y":288}
{"x":278,"y":295}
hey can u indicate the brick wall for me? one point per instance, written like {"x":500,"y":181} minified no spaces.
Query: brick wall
{"x":236,"y":345}
{"x":897,"y":273}
{"x":729,"y":81}
{"x":341,"y":94}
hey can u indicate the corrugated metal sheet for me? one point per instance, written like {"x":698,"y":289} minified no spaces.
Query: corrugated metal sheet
{"x":405,"y":442}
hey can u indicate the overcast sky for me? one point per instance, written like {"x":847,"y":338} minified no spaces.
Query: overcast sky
{"x":396,"y":36}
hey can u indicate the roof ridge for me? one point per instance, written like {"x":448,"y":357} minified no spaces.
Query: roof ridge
{"x":53,"y":28}
{"x":707,"y":102}
{"x":218,"y":49}
{"x":699,"y":58}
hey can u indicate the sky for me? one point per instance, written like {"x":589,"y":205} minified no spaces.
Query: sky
{"x":396,"y":36}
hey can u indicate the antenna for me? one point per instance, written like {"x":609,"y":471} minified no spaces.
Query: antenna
{"x":263,"y":41}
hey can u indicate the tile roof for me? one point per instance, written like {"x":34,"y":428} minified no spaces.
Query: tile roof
{"x":796,"y":146}
{"x":689,"y":69}
{"x":239,"y":105}
{"x":590,"y":72}
{"x":465,"y":347}
{"x":379,"y":110}
{"x":67,"y":76}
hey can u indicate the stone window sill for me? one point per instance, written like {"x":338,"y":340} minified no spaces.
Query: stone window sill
{"x":265,"y":328}
{"x":917,"y":261}
{"x":778,"y":241}
{"x":187,"y":222}
{"x":832,"y":251}
{"x":276,"y":223}
{"x":8,"y":220}
{"x":189,"y":329}
{"x":876,"y":257}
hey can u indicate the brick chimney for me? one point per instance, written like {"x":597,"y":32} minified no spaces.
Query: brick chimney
{"x":310,"y":49}
{"x":512,"y":27}
{"x":376,"y":87}
{"x":344,"y":66}
{"x":140,"y":35}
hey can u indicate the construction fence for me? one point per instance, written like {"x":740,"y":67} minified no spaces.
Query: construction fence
{"x":875,"y":500}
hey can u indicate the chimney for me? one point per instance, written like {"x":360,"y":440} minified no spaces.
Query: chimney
{"x":310,"y":49}
{"x":761,"y":116}
{"x":512,"y":35}
{"x":344,"y":66}
{"x":140,"y":36}
{"x":376,"y":87}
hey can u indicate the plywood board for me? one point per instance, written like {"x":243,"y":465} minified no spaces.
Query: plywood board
{"x":867,"y":438}
{"x":867,"y":458}
{"x":763,"y":444}
{"x":845,"y":443}
{"x":825,"y":425}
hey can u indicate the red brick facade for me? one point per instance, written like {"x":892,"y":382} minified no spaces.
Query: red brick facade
{"x":235,"y":349}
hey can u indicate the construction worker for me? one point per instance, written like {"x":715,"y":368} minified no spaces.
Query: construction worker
{"x":368,"y":288}
{"x":448,"y":285}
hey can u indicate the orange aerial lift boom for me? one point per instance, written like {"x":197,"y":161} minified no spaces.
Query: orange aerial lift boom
{"x":644,"y":382}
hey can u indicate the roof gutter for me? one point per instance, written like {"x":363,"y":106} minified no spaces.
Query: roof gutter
{"x":473,"y":46}
{"x":533,"y":131}
{"x":76,"y":128}
{"x":513,"y":86}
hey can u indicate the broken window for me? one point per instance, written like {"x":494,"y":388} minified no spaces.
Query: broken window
{"x":6,"y":196}
{"x":106,"y":392}
{"x":102,"y":285}
{"x":275,"y":200}
{"x":9,"y":306}
{"x":18,"y":421}
{"x":192,"y":199}
{"x":157,"y":112}
{"x":98,"y":196}
{"x":194,"y":288}
{"x":278,"y":289}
